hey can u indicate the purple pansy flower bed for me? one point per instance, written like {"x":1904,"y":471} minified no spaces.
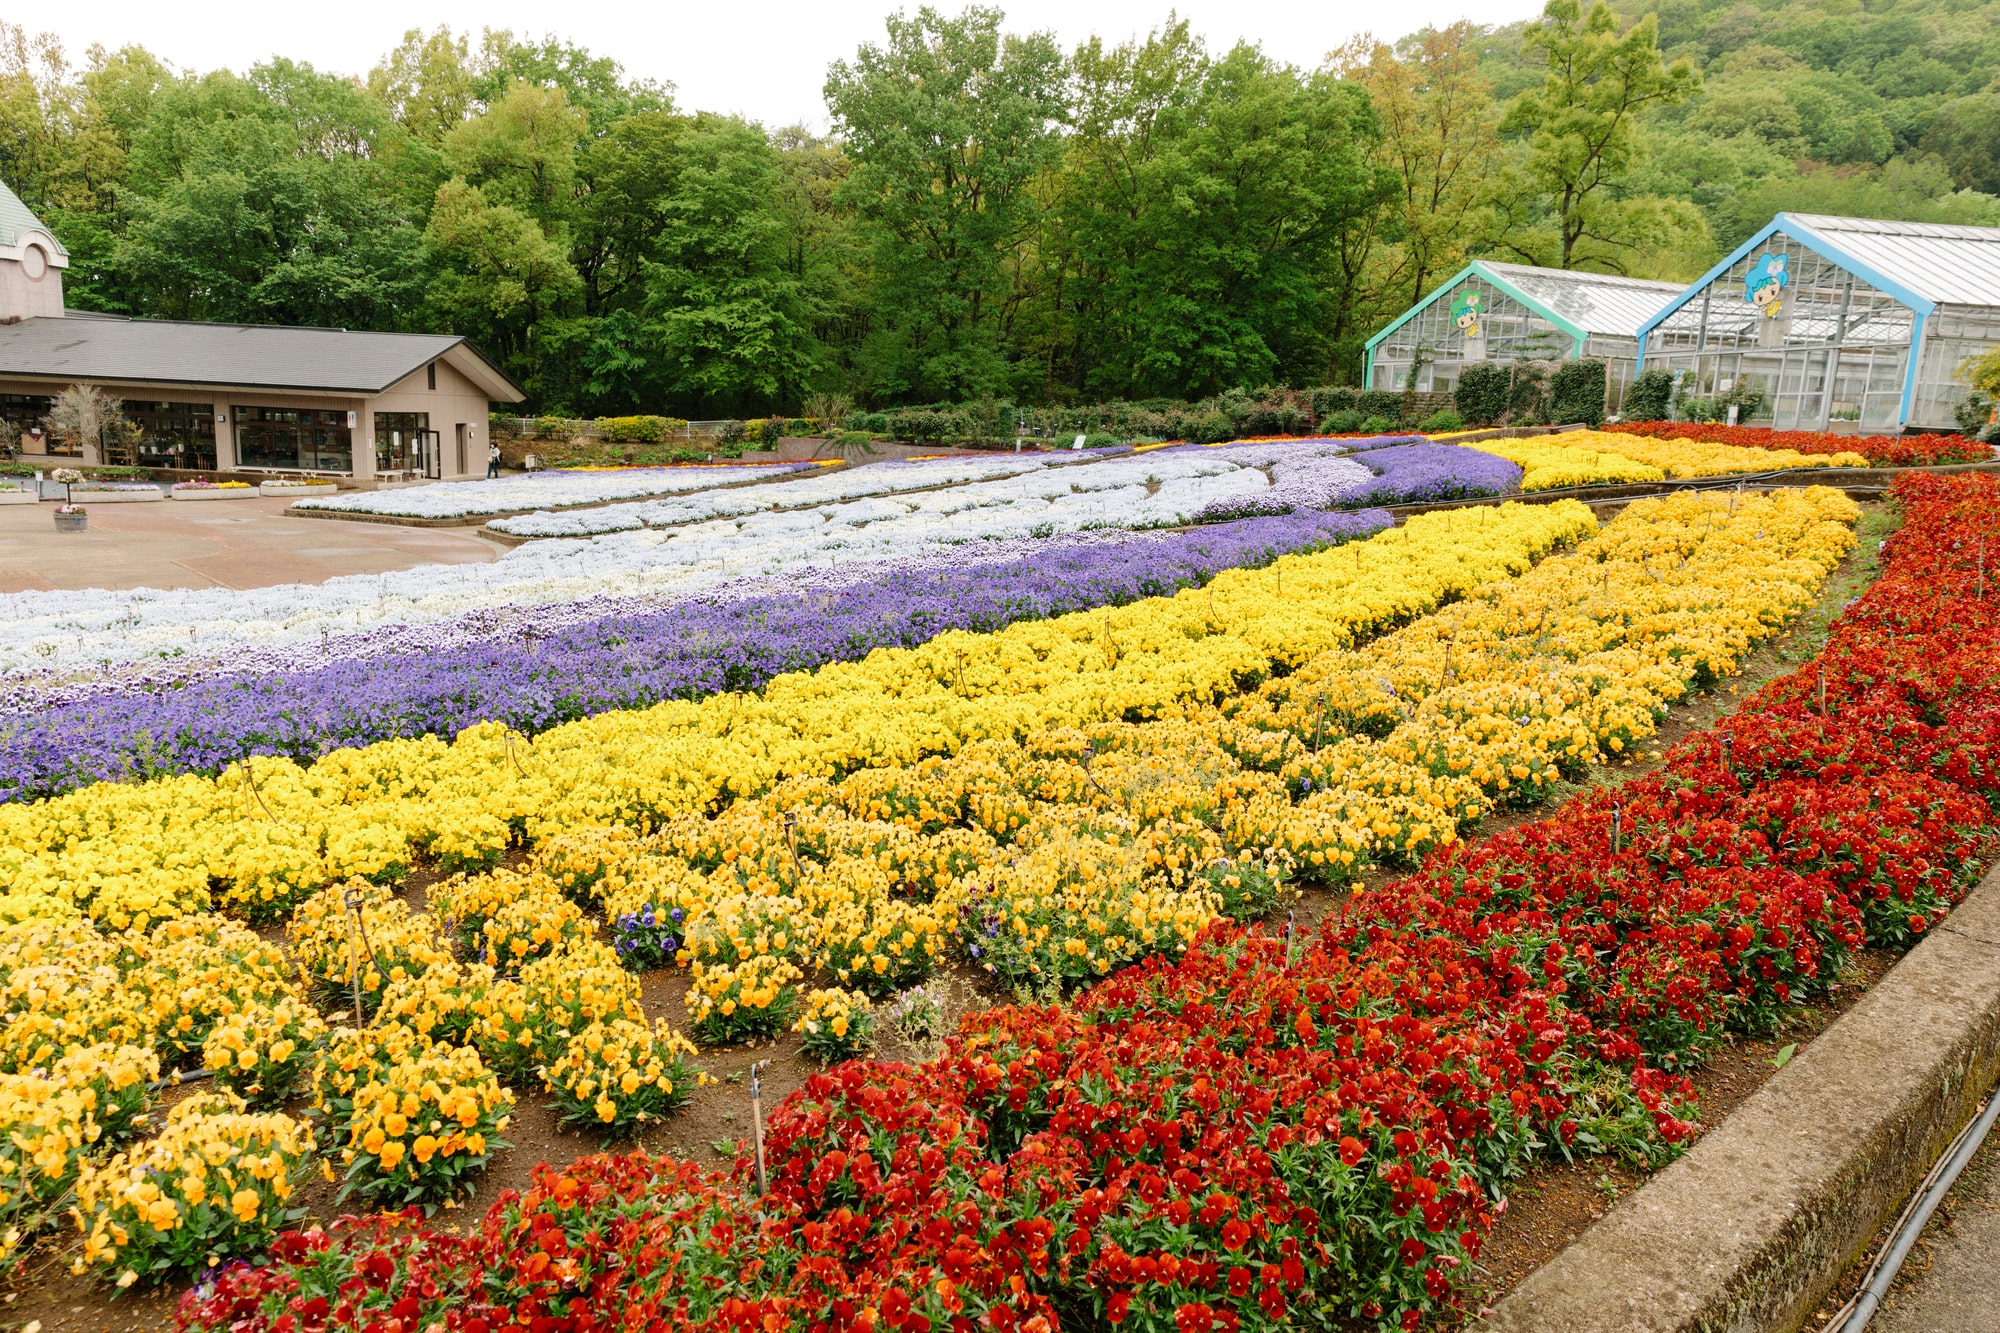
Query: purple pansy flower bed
{"x":544,"y":666}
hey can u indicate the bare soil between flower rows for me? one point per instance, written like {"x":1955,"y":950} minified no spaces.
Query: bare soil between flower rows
{"x":1547,"y":1209}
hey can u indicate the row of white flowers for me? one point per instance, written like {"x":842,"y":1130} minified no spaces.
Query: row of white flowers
{"x":556,"y":487}
{"x":60,"y":636}
{"x":885,"y":478}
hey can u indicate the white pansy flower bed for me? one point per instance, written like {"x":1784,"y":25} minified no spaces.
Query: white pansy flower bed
{"x":887,"y":478}
{"x":73,"y":634}
{"x":555,"y":488}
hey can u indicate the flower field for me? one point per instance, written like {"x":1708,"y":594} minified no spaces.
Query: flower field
{"x":535,"y":490}
{"x":1049,"y":828}
{"x":1879,"y":450}
{"x":1258,"y":1132}
{"x":55,"y":644}
{"x":890,"y":477}
{"x":540,"y":667}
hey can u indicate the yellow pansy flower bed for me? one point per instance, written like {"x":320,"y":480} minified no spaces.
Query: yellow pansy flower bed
{"x":215,"y":1184}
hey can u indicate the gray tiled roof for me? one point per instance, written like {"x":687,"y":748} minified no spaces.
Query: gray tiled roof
{"x":96,"y":347}
{"x":17,"y":219}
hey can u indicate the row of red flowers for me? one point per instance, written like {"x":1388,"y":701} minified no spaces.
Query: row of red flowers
{"x":1264,"y":1133}
{"x":1881,"y":450}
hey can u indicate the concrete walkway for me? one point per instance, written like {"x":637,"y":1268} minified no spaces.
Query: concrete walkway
{"x":1951,"y":1282}
{"x":247,"y":543}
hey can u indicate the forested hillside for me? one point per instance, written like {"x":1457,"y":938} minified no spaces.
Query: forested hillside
{"x":991,"y":215}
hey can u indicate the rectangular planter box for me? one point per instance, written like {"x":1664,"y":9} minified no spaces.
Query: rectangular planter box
{"x":218,"y":493}
{"x":18,"y":497}
{"x":88,"y":498}
{"x":296,"y":492}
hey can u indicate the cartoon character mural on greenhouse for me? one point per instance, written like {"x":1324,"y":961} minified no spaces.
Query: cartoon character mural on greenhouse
{"x":1466,"y":308}
{"x":1766,"y":281}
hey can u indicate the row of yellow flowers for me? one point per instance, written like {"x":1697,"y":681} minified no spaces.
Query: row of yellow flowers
{"x":1599,"y":458}
{"x":266,"y":834}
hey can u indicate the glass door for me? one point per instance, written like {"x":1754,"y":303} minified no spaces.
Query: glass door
{"x":430,"y":452}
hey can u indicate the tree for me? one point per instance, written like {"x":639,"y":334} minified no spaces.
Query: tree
{"x":427,"y":84}
{"x":1440,"y":139}
{"x":84,"y":417}
{"x":496,"y":274}
{"x":948,"y":125}
{"x":1582,"y":124}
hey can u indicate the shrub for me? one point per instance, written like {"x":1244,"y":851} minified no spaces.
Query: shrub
{"x":1482,"y":393}
{"x":638,"y":430}
{"x":1437,"y":423}
{"x":1100,"y":441}
{"x":621,"y":1076}
{"x":214,"y":1185}
{"x":1649,"y":397}
{"x":1377,"y":426}
{"x":1576,"y":393}
{"x":924,"y":425}
{"x":1528,"y":394}
{"x":731,"y":432}
{"x":1332,"y":401}
{"x":1346,"y":422}
{"x":1210,"y":428}
{"x":1386,"y":404}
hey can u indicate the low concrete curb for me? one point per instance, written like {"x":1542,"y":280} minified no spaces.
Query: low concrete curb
{"x":1750,"y":1230}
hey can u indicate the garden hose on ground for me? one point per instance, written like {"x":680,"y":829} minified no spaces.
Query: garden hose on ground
{"x":1854,"y":1316}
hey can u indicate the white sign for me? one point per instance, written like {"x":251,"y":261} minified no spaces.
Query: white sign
{"x":1078,"y":444}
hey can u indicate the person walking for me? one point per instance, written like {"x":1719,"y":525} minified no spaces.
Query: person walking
{"x":492,"y":460}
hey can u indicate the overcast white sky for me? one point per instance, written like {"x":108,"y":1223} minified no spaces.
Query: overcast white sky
{"x":765,"y":60}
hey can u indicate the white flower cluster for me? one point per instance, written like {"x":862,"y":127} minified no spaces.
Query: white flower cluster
{"x":551,"y":489}
{"x":889,"y":478}
{"x":65,"y":635}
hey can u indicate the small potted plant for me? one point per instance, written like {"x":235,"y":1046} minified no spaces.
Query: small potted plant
{"x":70,"y":516}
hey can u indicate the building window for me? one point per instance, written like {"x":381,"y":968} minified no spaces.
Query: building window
{"x":398,"y":440}
{"x":174,"y":434}
{"x":431,"y":373}
{"x":293,"y":439}
{"x":23,"y":413}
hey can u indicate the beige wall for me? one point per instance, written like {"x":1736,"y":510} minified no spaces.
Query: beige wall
{"x":22,"y":297}
{"x":456,"y":402}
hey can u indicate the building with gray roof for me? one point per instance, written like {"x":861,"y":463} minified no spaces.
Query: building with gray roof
{"x":236,"y":397}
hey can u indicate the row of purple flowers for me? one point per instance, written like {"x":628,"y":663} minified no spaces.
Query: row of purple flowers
{"x":539,"y":670}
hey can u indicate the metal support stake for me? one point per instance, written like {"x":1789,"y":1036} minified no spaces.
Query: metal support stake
{"x":1617,"y":827}
{"x":1820,"y":686}
{"x":1726,"y":738}
{"x":1317,"y":720}
{"x":757,"y":1123}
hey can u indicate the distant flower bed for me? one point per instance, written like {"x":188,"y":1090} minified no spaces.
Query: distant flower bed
{"x":83,"y":486}
{"x":548,"y":490}
{"x":211,"y":485}
{"x":1880,"y":450}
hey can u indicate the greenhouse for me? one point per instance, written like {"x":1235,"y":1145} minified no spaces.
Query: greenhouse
{"x":1829,"y":323}
{"x":1506,"y":313}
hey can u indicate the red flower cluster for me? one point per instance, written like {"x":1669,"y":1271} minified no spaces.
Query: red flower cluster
{"x":1264,"y":1132}
{"x":1881,"y":450}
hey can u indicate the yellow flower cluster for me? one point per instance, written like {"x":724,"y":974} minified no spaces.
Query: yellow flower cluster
{"x":1549,"y":466}
{"x":51,"y":1120}
{"x":267,"y":830}
{"x":732,"y":1002}
{"x":422,"y":1124}
{"x":521,"y":1026}
{"x":619,"y":1075}
{"x":213,"y":1185}
{"x":836,"y":1024}
{"x":442,"y":1004}
{"x":261,"y":1053}
{"x":1696,"y":458}
{"x":392,"y":942}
